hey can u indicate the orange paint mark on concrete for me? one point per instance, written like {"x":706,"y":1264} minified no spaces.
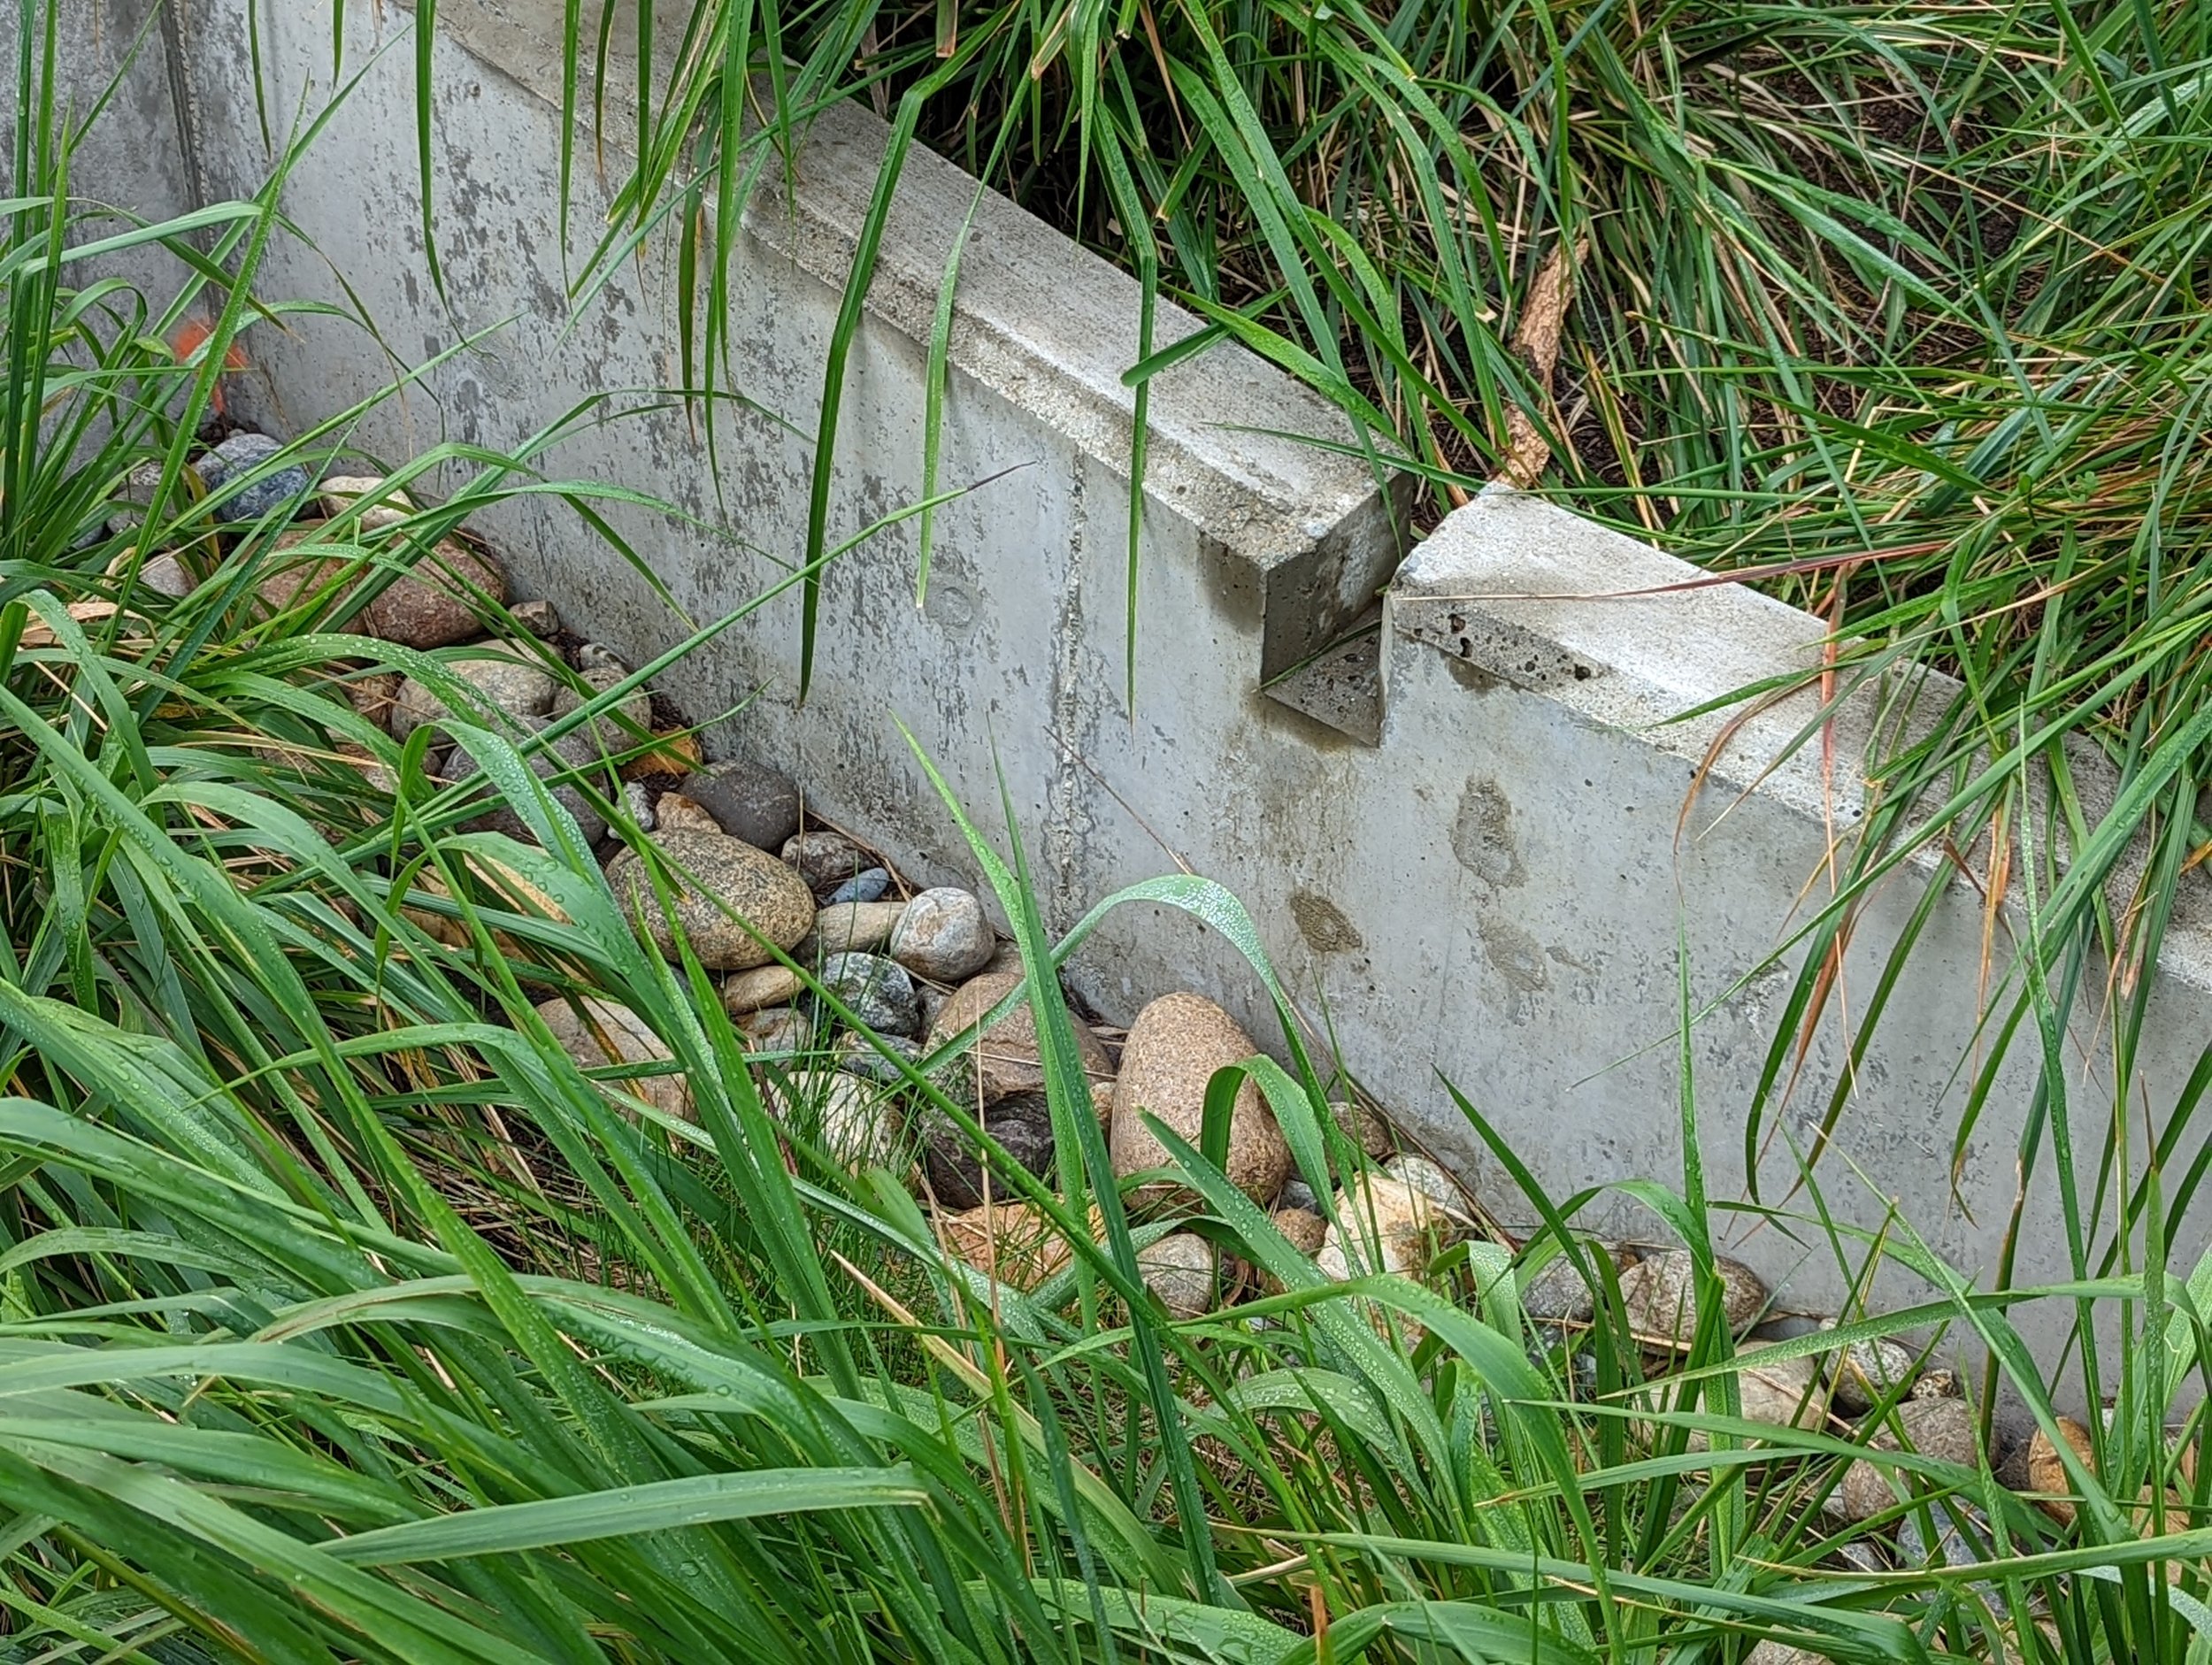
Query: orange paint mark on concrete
{"x":190,"y":337}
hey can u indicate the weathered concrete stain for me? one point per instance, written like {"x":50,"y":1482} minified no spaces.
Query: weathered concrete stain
{"x":1322,"y":924}
{"x":1514,"y":956}
{"x":1482,"y":837}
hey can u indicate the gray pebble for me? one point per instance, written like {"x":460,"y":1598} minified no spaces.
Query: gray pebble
{"x":776,"y":1029}
{"x":538,"y":617}
{"x":1021,"y":1123}
{"x":877,"y":992}
{"x":165,"y":575}
{"x":825,"y":859}
{"x":749,"y":802}
{"x":944,"y":936}
{"x":856,"y":1057}
{"x":241,"y":455}
{"x":572,"y":751}
{"x":1559,"y":1293}
{"x":868,"y":887}
{"x":638,"y":802}
{"x":1296,"y":1194}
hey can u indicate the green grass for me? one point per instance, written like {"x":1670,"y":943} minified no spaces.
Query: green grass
{"x":341,"y":1315}
{"x":1892,"y":306}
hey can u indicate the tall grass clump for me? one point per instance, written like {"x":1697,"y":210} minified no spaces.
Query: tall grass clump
{"x":1888,"y":307}
{"x":343,"y":1314}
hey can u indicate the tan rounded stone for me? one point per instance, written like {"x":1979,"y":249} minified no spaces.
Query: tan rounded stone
{"x":1384,"y":1224}
{"x":716,"y":875}
{"x":599,"y":1034}
{"x":675,"y":813}
{"x":764,"y":985}
{"x":1011,"y":1242}
{"x":1006,"y":1059}
{"x":1364,"y":1127}
{"x":1659,"y":1294}
{"x":1785,"y":1393}
{"x":776,"y":1029}
{"x":1172,"y":1051}
{"x":850,"y":927}
{"x":1179,"y":1269}
{"x":855,"y":1122}
{"x":502,"y":684}
{"x":1304,"y":1230}
{"x":2047,"y":1471}
{"x":1943,"y":1429}
{"x":373,"y":695}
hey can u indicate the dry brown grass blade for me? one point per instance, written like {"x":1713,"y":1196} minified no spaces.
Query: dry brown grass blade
{"x":39,"y":634}
{"x":1536,"y":341}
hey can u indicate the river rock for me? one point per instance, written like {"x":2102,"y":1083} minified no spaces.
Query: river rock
{"x":944,"y":936}
{"x":1173,"y":1050}
{"x":868,"y":887}
{"x":165,"y":575}
{"x":1558,"y":1293}
{"x":625,"y":726}
{"x":1021,"y":1121}
{"x":2046,"y":1470}
{"x":857,"y":1055}
{"x":1783,"y":1393}
{"x":374,"y":695}
{"x":538,"y":618}
{"x":637,"y":804}
{"x":776,"y":1029}
{"x":1383,"y":1224}
{"x":1659,"y":1294}
{"x":877,"y":992}
{"x":1179,"y":1269}
{"x":504,"y":686}
{"x":388,"y":505}
{"x":825,"y":859}
{"x":428,"y":606}
{"x":1431,"y":1181}
{"x":856,"y":1122}
{"x":1866,"y":1372}
{"x":765,"y":985}
{"x":432,"y":605}
{"x":1304,"y":1230}
{"x":676,"y":813}
{"x":717,"y":873}
{"x":599,"y":1034}
{"x":1005,"y":1060}
{"x":1943,"y":1429}
{"x":239,"y":456}
{"x":570,"y":755}
{"x":140,"y":486}
{"x":1364,"y":1126}
{"x":850,"y":927}
{"x":749,"y":800}
{"x":1296,"y":1194}
{"x":930,"y":1001}
{"x":1011,"y":1242}
{"x":1774,"y":1653}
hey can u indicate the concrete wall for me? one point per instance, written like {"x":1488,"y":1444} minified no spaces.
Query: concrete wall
{"x":1497,"y":891}
{"x":127,"y":165}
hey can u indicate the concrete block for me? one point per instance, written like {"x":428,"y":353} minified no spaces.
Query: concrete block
{"x":1475,"y":840}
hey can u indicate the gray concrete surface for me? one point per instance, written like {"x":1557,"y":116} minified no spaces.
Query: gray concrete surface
{"x":126,"y":165}
{"x":1497,"y":894}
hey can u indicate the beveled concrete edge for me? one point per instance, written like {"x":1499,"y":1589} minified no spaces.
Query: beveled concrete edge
{"x":1632,"y":638}
{"x":1034,"y":311}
